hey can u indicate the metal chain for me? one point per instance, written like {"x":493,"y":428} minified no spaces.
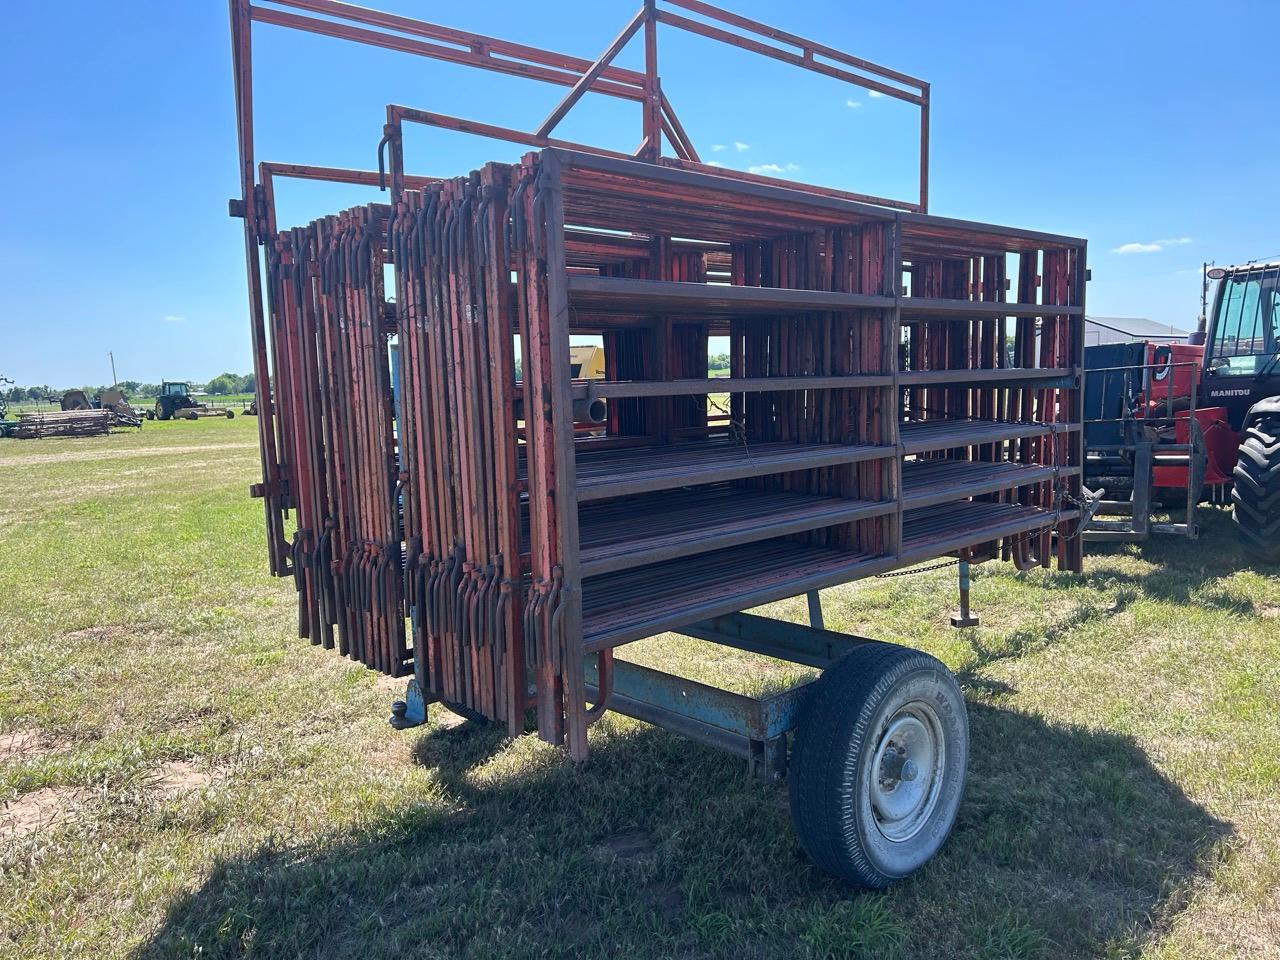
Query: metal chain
{"x":907,"y":573}
{"x":1086,"y":506}
{"x":737,"y":427}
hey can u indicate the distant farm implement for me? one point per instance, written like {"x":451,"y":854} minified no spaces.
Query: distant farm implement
{"x":5,"y":424}
{"x":43,"y":424}
{"x":177,"y":402}
{"x":122,"y":413}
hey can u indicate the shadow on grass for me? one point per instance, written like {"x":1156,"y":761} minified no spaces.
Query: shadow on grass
{"x":1185,"y":573}
{"x":1069,"y":844}
{"x":1183,"y":568}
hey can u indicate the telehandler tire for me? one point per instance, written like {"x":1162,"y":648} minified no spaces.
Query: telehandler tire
{"x":1255,"y":492}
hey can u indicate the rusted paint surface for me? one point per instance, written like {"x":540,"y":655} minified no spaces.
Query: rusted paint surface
{"x":888,"y":400}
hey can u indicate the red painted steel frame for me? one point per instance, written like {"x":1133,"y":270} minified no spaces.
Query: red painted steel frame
{"x":346,"y":21}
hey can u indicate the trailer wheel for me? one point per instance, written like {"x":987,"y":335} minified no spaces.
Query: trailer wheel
{"x":878,"y":765}
{"x":1255,"y":492}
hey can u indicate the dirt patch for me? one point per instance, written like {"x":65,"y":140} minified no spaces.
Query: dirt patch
{"x":19,"y":746}
{"x":446,"y":718}
{"x":631,"y":845}
{"x":666,"y":899}
{"x":178,"y":777}
{"x":98,"y":633}
{"x":41,"y":810}
{"x":80,"y":456}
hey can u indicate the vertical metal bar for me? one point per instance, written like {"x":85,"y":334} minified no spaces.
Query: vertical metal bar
{"x":924,"y":148}
{"x":652,"y":124}
{"x":891,"y":435}
{"x":1142,"y":461}
{"x":965,"y":617}
{"x":566,"y":505}
{"x":1075,"y":413}
{"x":242,"y":59}
{"x":1197,"y":451}
{"x":815,"y":610}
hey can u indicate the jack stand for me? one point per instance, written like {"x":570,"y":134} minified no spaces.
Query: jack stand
{"x":411,"y":711}
{"x":964,"y":618}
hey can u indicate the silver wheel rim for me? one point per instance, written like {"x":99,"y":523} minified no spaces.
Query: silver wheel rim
{"x":905,"y":773}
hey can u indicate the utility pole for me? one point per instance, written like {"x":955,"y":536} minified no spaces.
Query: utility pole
{"x":114,"y":381}
{"x":1198,"y":337}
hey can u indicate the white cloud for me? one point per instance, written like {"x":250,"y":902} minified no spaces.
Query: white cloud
{"x":740,"y":146}
{"x":173,"y":318}
{"x":714,"y":163}
{"x":875,"y":93}
{"x":773,"y":169}
{"x":717,"y":148}
{"x":1153,"y":246}
{"x":852,"y":103}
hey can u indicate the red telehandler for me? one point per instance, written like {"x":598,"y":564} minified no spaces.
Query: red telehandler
{"x":1175,"y":425}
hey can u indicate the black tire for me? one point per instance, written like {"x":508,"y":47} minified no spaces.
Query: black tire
{"x":162,"y":411}
{"x":844,"y":727}
{"x":231,"y":414}
{"x":1255,"y":491}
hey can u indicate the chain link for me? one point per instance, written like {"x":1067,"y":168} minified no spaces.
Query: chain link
{"x":737,"y":428}
{"x":907,"y":573}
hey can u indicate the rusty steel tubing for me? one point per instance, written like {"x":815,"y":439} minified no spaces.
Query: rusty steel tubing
{"x":898,"y":388}
{"x":502,"y":530}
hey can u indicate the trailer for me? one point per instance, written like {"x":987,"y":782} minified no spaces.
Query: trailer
{"x":903,"y":387}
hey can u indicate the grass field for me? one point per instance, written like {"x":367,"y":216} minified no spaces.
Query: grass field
{"x":184,"y":777}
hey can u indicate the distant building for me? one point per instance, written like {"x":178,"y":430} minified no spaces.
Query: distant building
{"x":1123,"y":329}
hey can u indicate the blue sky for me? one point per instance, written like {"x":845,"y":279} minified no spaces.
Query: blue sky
{"x":1147,"y":127}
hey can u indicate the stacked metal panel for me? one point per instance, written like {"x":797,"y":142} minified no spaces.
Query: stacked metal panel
{"x":887,"y":403}
{"x":459,"y":447}
{"x":335,"y":434}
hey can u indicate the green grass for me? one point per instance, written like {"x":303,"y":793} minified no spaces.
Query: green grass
{"x":1122,"y":798}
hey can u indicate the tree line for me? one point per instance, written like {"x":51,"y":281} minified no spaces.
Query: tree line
{"x":221,"y":385}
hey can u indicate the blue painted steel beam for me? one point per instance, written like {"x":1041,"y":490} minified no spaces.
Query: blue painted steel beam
{"x":670,"y":696}
{"x":776,"y":638}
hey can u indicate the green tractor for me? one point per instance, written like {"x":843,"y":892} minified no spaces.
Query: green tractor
{"x":175,"y":396}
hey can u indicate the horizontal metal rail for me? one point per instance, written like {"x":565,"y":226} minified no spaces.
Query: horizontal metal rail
{"x":605,"y":389}
{"x":606,"y":477}
{"x":929,"y":435}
